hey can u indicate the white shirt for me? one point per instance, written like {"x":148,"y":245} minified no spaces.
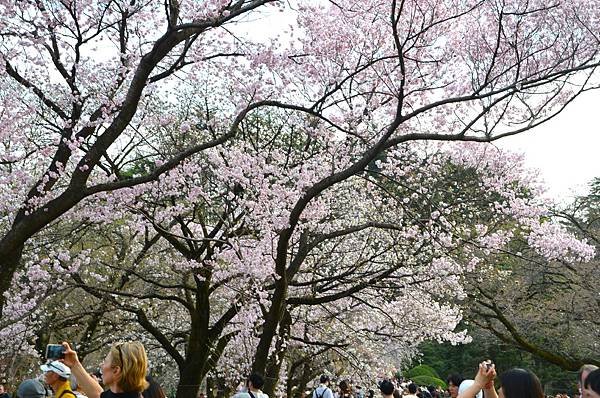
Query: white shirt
{"x":322,"y":392}
{"x":257,"y":394}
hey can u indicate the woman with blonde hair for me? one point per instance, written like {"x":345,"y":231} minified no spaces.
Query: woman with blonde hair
{"x":123,"y":371}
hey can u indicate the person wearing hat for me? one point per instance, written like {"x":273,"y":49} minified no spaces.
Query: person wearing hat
{"x":466,"y":384}
{"x":31,"y":388}
{"x":56,"y":375}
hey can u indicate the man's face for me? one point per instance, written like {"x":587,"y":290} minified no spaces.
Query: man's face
{"x":50,"y":378}
{"x":589,"y":393}
{"x":581,"y":383}
{"x":453,"y":390}
{"x":584,"y":376}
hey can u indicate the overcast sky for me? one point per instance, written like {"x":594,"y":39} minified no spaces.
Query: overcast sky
{"x":566,"y":149}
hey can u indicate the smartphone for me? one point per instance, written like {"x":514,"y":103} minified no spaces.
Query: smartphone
{"x":55,"y":351}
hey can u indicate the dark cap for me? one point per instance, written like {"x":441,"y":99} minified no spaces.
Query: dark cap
{"x":31,"y":388}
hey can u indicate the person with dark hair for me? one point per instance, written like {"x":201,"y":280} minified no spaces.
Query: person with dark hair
{"x":453,"y":382}
{"x":583,"y":373}
{"x":387,"y":388}
{"x":323,"y":391}
{"x":423,"y":393}
{"x":345,"y":389}
{"x":3,"y":393}
{"x":370,"y":393}
{"x":591,"y":386}
{"x":520,"y":383}
{"x":154,"y":389}
{"x":433,"y":391}
{"x":412,"y":391}
{"x":514,"y":383}
{"x":253,"y":385}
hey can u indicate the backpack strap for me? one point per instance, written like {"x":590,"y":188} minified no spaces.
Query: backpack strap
{"x":67,"y":392}
{"x":250,"y":393}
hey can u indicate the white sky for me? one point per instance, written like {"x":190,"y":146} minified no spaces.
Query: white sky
{"x":565,"y":149}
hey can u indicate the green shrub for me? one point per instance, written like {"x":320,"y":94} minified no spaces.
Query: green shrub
{"x":421,"y":370}
{"x":428,"y":380}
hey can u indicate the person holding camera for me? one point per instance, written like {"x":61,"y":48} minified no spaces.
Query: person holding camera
{"x":123,"y":371}
{"x":56,"y":375}
{"x":514,"y":383}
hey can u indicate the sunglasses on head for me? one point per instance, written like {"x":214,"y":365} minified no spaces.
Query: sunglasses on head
{"x":118,"y":346}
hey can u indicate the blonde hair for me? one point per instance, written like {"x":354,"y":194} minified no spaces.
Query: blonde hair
{"x":131,"y":358}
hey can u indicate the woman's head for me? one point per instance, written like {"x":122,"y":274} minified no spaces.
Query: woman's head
{"x":591,"y":387}
{"x":344,"y":386}
{"x":520,"y":383}
{"x":124,"y":368}
{"x":454,"y":381}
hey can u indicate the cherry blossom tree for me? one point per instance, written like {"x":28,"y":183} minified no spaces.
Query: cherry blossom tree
{"x":361,"y":85}
{"x":74,"y":82}
{"x":189,"y":258}
{"x":565,"y":332}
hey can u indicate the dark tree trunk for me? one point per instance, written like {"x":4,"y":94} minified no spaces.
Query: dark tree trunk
{"x":276,"y":357}
{"x":10,"y":256}
{"x":274,"y":315}
{"x":199,"y":345}
{"x":191,"y":375}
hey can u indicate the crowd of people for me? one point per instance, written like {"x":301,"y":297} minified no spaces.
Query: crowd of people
{"x":513,"y":383}
{"x":123,"y":374}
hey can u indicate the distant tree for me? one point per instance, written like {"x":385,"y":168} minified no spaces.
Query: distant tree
{"x":548,"y":308}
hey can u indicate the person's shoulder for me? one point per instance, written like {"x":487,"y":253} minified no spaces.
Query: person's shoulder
{"x":68,"y":394}
{"x":241,"y":394}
